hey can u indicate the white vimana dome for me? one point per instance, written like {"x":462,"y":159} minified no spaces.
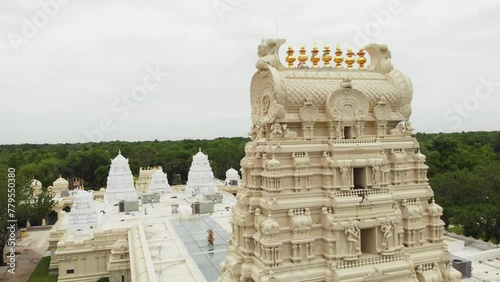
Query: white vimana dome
{"x":232,"y":176}
{"x":159,"y":183}
{"x":120,"y":184}
{"x":83,"y":214}
{"x":60,"y":182}
{"x":200,"y":177}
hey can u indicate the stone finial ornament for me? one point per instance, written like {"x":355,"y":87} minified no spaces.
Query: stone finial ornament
{"x":350,"y":59}
{"x":361,"y":59}
{"x":380,"y":58}
{"x":326,"y":56}
{"x":338,"y":58}
{"x":290,"y":58}
{"x":302,"y":58}
{"x":314,"y":56}
{"x":268,"y":54}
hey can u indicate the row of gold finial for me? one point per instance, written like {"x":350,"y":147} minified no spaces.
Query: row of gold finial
{"x":326,"y":58}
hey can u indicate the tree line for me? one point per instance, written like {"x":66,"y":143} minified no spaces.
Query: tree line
{"x":464,"y":169}
{"x":91,"y":161}
{"x":464,"y":172}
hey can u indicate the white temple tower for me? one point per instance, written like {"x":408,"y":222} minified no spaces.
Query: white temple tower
{"x":120,"y":184}
{"x":83,"y":214}
{"x":59,"y":185}
{"x":232,"y":177}
{"x":200,"y":177}
{"x":333,"y":186}
{"x":159,"y":183}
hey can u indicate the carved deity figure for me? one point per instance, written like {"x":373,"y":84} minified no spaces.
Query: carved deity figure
{"x":337,"y":114}
{"x":408,"y":128}
{"x":352,"y":232}
{"x":376,"y":173}
{"x":344,"y":173}
{"x":254,"y":132}
{"x":346,"y":82}
{"x":257,"y":219}
{"x":386,"y":229}
{"x":359,"y":129}
{"x":276,"y":131}
{"x":339,"y":130}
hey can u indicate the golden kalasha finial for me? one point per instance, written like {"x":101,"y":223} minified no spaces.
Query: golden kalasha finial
{"x":349,"y":60}
{"x":302,"y":58}
{"x":326,"y":56}
{"x":290,"y":58}
{"x":338,"y":58}
{"x":361,"y":58}
{"x":314,"y":56}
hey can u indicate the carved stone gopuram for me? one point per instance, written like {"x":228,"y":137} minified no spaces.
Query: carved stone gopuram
{"x":334,"y":186}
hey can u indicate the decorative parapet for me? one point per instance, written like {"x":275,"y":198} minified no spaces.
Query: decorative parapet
{"x":371,"y":261}
{"x":360,"y":192}
{"x":348,"y":62}
{"x":353,"y":141}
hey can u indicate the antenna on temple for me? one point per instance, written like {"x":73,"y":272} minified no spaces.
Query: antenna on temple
{"x":371,"y":34}
{"x":276,"y":36}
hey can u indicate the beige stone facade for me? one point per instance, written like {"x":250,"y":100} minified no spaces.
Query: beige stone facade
{"x":145,"y":176}
{"x":334,"y":186}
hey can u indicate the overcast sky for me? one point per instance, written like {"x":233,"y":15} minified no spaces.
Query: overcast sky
{"x":67,"y":67}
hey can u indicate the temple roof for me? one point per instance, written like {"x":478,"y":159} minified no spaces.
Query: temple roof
{"x":279,"y":93}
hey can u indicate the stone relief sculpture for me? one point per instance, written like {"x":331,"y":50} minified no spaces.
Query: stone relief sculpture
{"x":352,"y":232}
{"x":346,"y":82}
{"x":344,"y":175}
{"x":408,"y":128}
{"x":276,"y":131}
{"x":287,"y":133}
{"x":376,"y":171}
{"x":268,"y":54}
{"x":386,"y":229}
{"x":257,"y":220}
{"x":380,"y":58}
{"x":398,"y":130}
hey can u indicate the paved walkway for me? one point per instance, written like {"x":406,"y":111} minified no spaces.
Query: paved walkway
{"x":193,"y":234}
{"x":31,"y":250}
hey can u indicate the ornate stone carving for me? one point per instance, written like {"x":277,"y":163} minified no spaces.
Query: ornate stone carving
{"x":287,"y":133}
{"x":346,"y":82}
{"x":268,"y":54}
{"x":380,"y":58}
{"x":276,"y":131}
{"x":347,"y":106}
{"x":382,"y":111}
{"x":405,"y":88}
{"x":308,"y":112}
{"x":267,"y":95}
{"x":352,"y":236}
{"x":300,"y":221}
{"x":303,"y":188}
{"x":386,"y":228}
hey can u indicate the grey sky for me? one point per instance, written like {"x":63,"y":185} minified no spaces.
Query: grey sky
{"x":68,"y":76}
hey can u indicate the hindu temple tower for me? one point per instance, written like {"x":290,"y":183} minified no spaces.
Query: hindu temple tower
{"x":334,"y":187}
